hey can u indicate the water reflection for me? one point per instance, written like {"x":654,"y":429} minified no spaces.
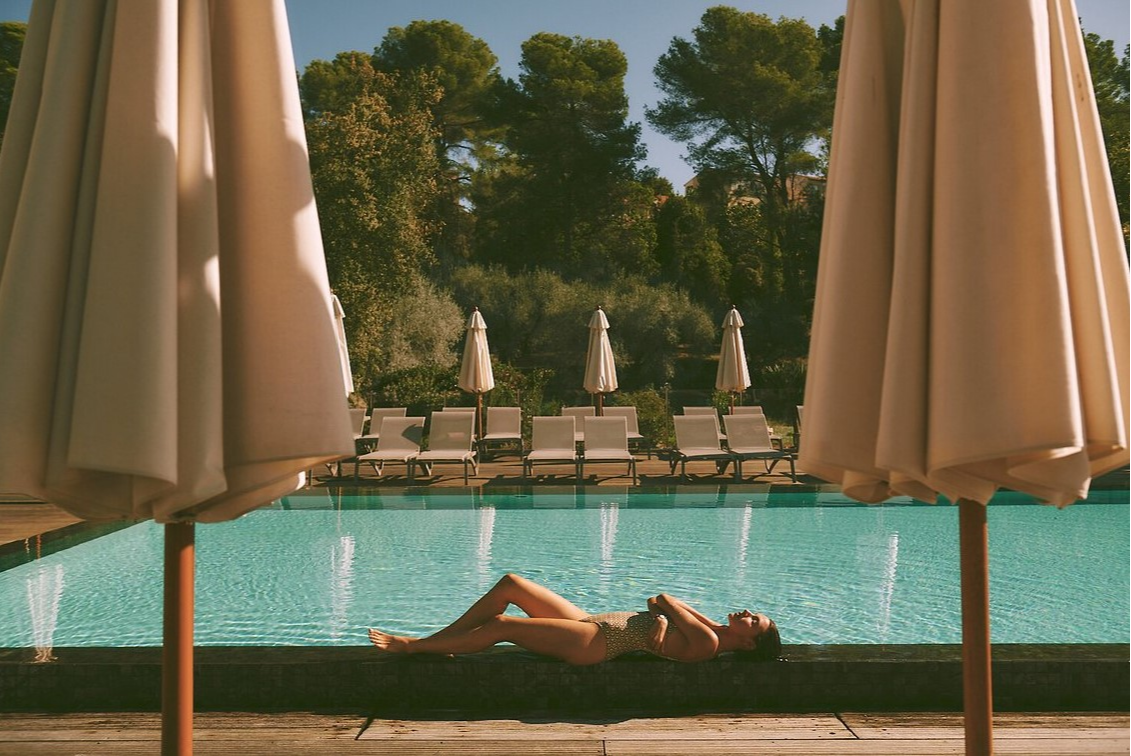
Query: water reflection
{"x":610,"y":513}
{"x":486,"y":538}
{"x":44,"y":591}
{"x":341,"y":585}
{"x":887,"y":586}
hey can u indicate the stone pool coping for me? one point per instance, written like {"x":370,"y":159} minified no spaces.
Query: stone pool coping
{"x":509,"y":681}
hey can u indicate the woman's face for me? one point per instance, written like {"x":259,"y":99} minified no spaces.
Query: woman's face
{"x":748,"y":624}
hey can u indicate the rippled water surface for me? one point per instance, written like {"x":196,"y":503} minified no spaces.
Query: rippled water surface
{"x":318,"y":570}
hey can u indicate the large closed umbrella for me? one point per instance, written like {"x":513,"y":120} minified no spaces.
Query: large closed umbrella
{"x":971,"y":322}
{"x":475,"y":374}
{"x":733,"y":376}
{"x":600,"y":368}
{"x":165,"y":320}
{"x":343,"y":345}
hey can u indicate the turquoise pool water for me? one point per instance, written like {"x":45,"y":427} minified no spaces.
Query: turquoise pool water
{"x":318,"y":569}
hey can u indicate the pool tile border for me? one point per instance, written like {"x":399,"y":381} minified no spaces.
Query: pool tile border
{"x":508,"y":681}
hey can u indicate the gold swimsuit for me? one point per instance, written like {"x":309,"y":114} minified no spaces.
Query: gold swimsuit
{"x":625,"y":632}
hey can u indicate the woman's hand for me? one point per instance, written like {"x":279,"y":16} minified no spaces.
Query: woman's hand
{"x":654,"y":606}
{"x":657,"y":634}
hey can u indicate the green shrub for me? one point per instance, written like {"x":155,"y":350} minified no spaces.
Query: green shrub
{"x":652,"y":413}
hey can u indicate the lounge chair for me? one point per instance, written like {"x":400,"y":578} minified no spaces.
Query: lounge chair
{"x":697,"y":439}
{"x":450,"y":439}
{"x":504,"y":426}
{"x":357,"y":423}
{"x":749,"y":438}
{"x":399,"y":442}
{"x":369,"y":439}
{"x":797,"y":428}
{"x":606,"y":440}
{"x":629,"y":414}
{"x":552,"y":442}
{"x":756,"y":409}
{"x":579,"y":414}
{"x":707,"y":411}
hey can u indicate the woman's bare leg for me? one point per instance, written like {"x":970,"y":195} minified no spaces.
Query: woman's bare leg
{"x":534,"y":599}
{"x":569,"y":640}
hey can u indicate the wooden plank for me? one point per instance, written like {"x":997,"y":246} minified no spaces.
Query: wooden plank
{"x":949,"y":747}
{"x":281,"y":748}
{"x":673,"y":728}
{"x":147,"y":726}
{"x":929,"y":726}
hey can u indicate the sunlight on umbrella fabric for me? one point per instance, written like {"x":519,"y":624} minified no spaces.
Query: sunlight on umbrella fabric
{"x":733,"y":374}
{"x":971,"y":320}
{"x":475,"y":373}
{"x":600,"y":367}
{"x":343,"y":345}
{"x":163,"y":294}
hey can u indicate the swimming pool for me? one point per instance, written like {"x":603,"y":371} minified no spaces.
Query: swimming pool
{"x":319,"y":568}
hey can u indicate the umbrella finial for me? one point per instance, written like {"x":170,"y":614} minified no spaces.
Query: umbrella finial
{"x":475,"y":309}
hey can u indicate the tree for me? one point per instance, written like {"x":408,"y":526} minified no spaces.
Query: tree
{"x":1110,"y":83}
{"x":12,"y":35}
{"x":468,"y":76}
{"x":751,"y":97}
{"x":688,"y":251}
{"x":566,"y":197}
{"x":373,"y":164}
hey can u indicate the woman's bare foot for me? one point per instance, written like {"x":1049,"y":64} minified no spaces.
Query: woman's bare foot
{"x":395,"y":644}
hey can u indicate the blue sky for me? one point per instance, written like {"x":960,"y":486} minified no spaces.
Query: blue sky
{"x":642,"y":28}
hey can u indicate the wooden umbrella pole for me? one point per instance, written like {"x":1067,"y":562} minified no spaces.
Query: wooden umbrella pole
{"x":176,"y":682}
{"x":977,"y":687}
{"x":479,"y":413}
{"x":600,"y":404}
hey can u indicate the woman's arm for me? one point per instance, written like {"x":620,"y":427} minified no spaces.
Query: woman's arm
{"x":696,"y":640}
{"x":654,"y":608}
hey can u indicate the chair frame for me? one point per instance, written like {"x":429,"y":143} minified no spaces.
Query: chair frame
{"x":443,"y":424}
{"x":394,"y":430}
{"x":699,"y":449}
{"x":754,"y":442}
{"x":510,"y":417}
{"x":597,"y":429}
{"x":561,"y":427}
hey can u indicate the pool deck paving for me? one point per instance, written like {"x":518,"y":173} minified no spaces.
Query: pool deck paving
{"x":431,"y":733}
{"x":815,"y":734}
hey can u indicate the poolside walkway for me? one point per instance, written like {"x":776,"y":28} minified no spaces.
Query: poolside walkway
{"x":306,"y":734}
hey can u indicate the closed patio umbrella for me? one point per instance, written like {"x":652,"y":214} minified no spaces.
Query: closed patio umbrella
{"x":475,"y":374}
{"x":971,"y":321}
{"x":163,"y":292}
{"x":733,"y":376}
{"x":343,"y":345}
{"x":600,"y":368}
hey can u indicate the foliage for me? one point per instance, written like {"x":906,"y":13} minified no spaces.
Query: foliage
{"x":463,"y":66}
{"x":520,"y":388}
{"x":465,"y":70}
{"x":565,"y":196}
{"x":780,"y":386}
{"x":422,"y":389}
{"x":688,"y":251}
{"x":537,"y":318}
{"x":1110,"y":83}
{"x":653,"y":415}
{"x":12,"y":35}
{"x":750,"y":97}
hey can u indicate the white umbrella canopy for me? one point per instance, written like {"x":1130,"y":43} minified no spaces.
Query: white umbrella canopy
{"x":343,"y":345}
{"x":733,"y":376}
{"x":163,"y":291}
{"x":600,"y":367}
{"x":475,"y":373}
{"x":971,"y":321}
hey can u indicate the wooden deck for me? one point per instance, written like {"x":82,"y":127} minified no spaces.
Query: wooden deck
{"x":304,"y":734}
